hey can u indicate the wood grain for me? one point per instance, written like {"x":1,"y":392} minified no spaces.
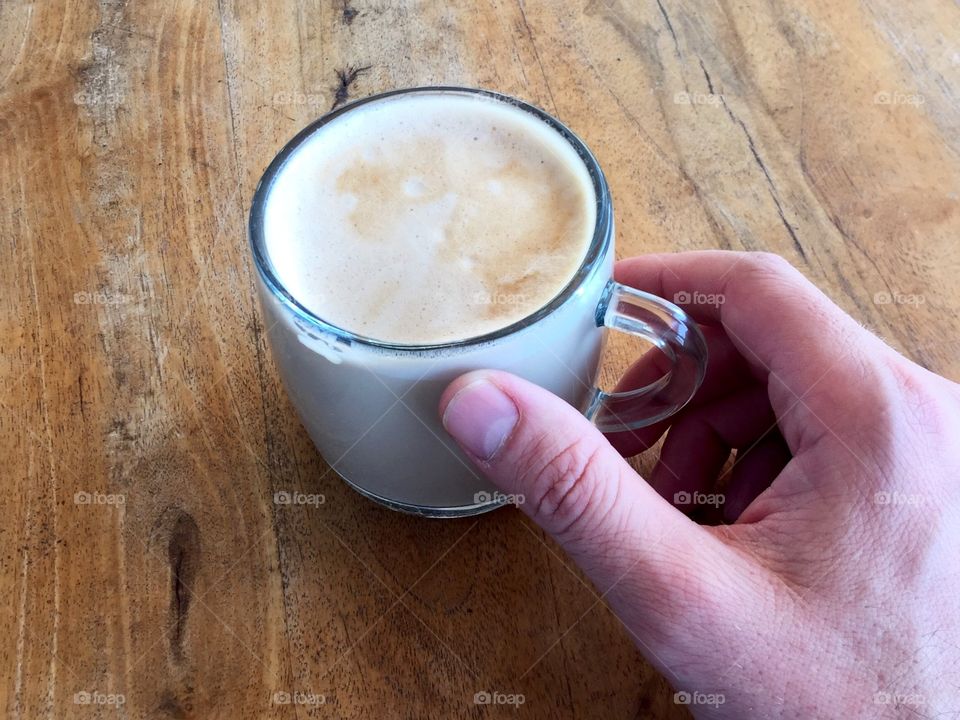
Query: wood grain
{"x":144,"y":431}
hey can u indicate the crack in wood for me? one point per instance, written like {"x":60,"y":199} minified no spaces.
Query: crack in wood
{"x":536,"y":54}
{"x":707,"y":76}
{"x":673,"y":34}
{"x":771,"y":187}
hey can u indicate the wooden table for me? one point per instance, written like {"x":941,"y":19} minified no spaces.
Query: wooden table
{"x":144,"y":431}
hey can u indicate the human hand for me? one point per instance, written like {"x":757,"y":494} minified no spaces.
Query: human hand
{"x":835,"y":590}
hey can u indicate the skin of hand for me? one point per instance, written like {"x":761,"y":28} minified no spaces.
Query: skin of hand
{"x":833,"y":588}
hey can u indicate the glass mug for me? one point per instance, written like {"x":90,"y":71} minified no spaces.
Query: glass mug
{"x":370,"y":407}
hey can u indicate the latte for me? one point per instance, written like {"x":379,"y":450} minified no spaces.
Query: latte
{"x":429,"y":218}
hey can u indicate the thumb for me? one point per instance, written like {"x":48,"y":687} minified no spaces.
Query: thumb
{"x":529,"y":442}
{"x":579,"y":489}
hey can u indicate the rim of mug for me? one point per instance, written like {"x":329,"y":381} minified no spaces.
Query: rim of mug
{"x":595,"y":254}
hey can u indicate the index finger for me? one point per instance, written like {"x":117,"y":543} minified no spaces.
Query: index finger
{"x":809,"y":351}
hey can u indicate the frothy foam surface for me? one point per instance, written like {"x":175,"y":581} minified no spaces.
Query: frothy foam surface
{"x":427,"y":218}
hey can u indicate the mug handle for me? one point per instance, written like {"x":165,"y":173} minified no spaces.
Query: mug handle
{"x":671,"y":330}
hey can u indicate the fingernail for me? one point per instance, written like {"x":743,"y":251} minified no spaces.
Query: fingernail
{"x":481,"y":417}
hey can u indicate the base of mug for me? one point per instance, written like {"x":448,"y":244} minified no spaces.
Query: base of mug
{"x":426,"y":511}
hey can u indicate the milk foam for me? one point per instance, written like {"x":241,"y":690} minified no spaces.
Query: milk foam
{"x":427,"y":218}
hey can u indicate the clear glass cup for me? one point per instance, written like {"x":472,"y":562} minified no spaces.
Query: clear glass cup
{"x":370,"y":406}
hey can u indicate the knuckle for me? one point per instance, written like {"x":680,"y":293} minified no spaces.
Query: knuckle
{"x":768,"y":263}
{"x":925,"y":405}
{"x":567,"y":485}
{"x":770,"y":281}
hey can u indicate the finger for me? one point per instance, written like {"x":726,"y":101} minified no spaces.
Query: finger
{"x":754,"y":471}
{"x":658,"y":569}
{"x":785,"y":328}
{"x":699,"y":444}
{"x":684,"y":478}
{"x":726,"y":372}
{"x":532,"y":444}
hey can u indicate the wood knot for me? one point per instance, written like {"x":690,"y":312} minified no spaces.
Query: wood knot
{"x":349,"y":13}
{"x":346,"y":78}
{"x":183,"y":558}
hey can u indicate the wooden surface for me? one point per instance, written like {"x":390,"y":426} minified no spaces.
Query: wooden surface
{"x":142,"y":426}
